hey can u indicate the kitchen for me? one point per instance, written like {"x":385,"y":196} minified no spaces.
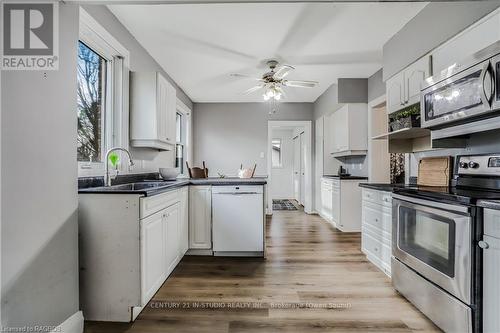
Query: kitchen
{"x":102,"y":241}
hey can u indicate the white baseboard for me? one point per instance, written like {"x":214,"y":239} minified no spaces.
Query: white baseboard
{"x":73,"y":324}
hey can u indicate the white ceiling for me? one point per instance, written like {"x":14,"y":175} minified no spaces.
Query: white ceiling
{"x":200,"y":45}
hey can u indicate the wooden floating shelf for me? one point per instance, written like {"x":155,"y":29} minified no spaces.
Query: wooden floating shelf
{"x":405,"y":133}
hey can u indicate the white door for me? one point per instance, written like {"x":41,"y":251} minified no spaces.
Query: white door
{"x":200,"y":217}
{"x":296,"y":168}
{"x":153,"y":268}
{"x":302,"y":168}
{"x":172,"y":219}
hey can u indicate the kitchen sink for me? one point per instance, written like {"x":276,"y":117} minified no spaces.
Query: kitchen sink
{"x":131,"y":187}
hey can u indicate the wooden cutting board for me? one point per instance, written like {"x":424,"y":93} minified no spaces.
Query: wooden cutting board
{"x":434,"y":171}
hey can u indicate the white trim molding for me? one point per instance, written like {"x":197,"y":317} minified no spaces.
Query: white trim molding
{"x":307,"y":125}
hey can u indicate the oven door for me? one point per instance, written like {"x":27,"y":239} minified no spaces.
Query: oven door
{"x":434,"y":239}
{"x":464,"y":95}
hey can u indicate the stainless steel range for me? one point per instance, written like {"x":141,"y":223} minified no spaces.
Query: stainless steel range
{"x":436,"y":260}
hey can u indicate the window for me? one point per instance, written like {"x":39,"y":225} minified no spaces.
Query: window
{"x":91,"y":93}
{"x":276,"y":153}
{"x":102,"y":93}
{"x":180,"y":143}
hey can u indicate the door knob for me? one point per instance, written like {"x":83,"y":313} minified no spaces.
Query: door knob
{"x":483,"y":245}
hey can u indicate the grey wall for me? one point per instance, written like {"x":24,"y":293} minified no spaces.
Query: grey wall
{"x":352,"y":90}
{"x":327,"y":103}
{"x":140,"y":61}
{"x":39,"y":188}
{"x":228,"y":134}
{"x":435,"y":24}
{"x":376,"y":85}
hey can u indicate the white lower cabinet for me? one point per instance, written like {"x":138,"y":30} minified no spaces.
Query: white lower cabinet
{"x":153,"y":269}
{"x":376,"y":234}
{"x":340,"y":203}
{"x":491,"y":271}
{"x":184,"y":228}
{"x":200,"y":217}
{"x":172,"y":239}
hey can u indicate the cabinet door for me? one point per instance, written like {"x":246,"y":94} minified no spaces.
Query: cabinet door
{"x":491,"y":292}
{"x":326,"y":200}
{"x":153,"y":268}
{"x":161,"y":107}
{"x":414,"y":77}
{"x":394,"y":93}
{"x":200,"y":217}
{"x":172,"y":221}
{"x":336,"y":205}
{"x":184,"y":228}
{"x":341,"y":130}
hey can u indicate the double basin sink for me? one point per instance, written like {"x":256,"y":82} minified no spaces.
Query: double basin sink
{"x":145,"y":187}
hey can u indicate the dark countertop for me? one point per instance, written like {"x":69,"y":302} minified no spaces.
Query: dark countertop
{"x":382,"y":186}
{"x":345,"y":177}
{"x":492,"y":204}
{"x":164,"y":186}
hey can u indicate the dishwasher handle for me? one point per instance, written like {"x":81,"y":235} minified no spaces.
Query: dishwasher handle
{"x":236,"y":193}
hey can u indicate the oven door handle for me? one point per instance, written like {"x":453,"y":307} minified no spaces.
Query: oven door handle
{"x":486,"y":73}
{"x":432,"y":204}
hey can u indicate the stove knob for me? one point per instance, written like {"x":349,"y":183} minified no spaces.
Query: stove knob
{"x":473,"y":165}
{"x":464,"y":165}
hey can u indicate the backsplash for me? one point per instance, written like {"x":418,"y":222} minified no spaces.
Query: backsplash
{"x":487,"y":142}
{"x":356,"y":165}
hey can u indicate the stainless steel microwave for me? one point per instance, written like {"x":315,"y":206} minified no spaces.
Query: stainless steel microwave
{"x":464,"y":98}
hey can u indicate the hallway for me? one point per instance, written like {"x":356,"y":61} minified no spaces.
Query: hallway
{"x":315,"y":279}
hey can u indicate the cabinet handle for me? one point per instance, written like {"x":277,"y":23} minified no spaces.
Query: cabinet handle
{"x":483,"y":245}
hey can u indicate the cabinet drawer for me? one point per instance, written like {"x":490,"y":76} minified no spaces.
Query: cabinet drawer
{"x":378,"y":197}
{"x":492,"y":222}
{"x":151,"y":205}
{"x":378,"y":217}
{"x":377,"y":244}
{"x":371,"y":245}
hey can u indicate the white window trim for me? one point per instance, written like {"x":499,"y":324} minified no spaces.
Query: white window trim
{"x":116,"y":130}
{"x":280,"y":166}
{"x":188,"y":142}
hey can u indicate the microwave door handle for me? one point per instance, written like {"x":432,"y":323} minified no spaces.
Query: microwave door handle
{"x":486,"y":72}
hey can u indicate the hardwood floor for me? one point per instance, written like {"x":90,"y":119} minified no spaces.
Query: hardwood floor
{"x":315,"y":279}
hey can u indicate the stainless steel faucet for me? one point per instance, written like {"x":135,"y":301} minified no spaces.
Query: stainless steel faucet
{"x":107,"y":177}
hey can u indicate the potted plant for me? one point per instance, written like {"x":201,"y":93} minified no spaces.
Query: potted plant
{"x":408,"y":117}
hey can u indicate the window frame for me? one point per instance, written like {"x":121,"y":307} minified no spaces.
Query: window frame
{"x":280,"y":166}
{"x":115,"y":114}
{"x":186,"y":134}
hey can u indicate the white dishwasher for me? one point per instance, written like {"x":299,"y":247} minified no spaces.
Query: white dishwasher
{"x":238,"y":220}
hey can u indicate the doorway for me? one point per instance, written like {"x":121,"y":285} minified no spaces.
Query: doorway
{"x":289,"y":165}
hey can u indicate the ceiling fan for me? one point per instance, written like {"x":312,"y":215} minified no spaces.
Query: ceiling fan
{"x":274,"y":81}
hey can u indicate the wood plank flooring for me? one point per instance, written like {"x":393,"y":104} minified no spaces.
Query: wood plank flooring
{"x":315,"y":279}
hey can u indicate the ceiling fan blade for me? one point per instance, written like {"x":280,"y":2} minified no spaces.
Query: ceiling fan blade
{"x":251,"y":90}
{"x":282,"y":71}
{"x":301,"y":84}
{"x":245,"y":76}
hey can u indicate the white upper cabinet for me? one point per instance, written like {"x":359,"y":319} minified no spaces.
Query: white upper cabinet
{"x":414,"y":77}
{"x":473,"y":39}
{"x":152,"y":111}
{"x":403,"y":89}
{"x":349,"y":130}
{"x":395,"y":93}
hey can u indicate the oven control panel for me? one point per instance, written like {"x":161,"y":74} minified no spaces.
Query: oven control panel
{"x":479,"y":165}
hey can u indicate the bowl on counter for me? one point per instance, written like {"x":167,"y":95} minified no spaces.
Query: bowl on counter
{"x":169,"y":173}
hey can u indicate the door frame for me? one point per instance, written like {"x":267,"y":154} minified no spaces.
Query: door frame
{"x":307,"y":125}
